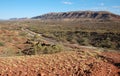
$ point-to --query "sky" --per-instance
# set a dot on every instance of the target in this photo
(31, 8)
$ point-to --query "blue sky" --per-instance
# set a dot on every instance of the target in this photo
(30, 8)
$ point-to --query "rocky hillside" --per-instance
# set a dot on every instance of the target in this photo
(79, 15)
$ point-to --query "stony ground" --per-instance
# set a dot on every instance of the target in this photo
(69, 63)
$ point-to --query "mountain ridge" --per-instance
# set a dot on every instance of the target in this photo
(79, 15)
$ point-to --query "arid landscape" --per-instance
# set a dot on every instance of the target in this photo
(77, 43)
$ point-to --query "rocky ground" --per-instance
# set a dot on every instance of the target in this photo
(70, 63)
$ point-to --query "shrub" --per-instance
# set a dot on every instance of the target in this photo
(39, 48)
(2, 43)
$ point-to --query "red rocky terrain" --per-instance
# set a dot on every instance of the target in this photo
(83, 62)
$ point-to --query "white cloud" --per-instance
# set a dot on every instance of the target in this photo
(100, 8)
(116, 7)
(68, 3)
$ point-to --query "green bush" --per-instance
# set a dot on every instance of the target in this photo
(2, 43)
(38, 48)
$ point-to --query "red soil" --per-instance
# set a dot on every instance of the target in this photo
(71, 63)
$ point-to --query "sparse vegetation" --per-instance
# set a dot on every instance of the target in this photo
(100, 35)
(38, 47)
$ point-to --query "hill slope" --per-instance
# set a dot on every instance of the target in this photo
(81, 63)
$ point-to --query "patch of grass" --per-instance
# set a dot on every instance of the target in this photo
(8, 52)
(23, 34)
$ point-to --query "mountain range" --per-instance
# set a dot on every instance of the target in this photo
(79, 15)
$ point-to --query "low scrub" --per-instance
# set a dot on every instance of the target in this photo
(38, 47)
(2, 43)
(95, 38)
